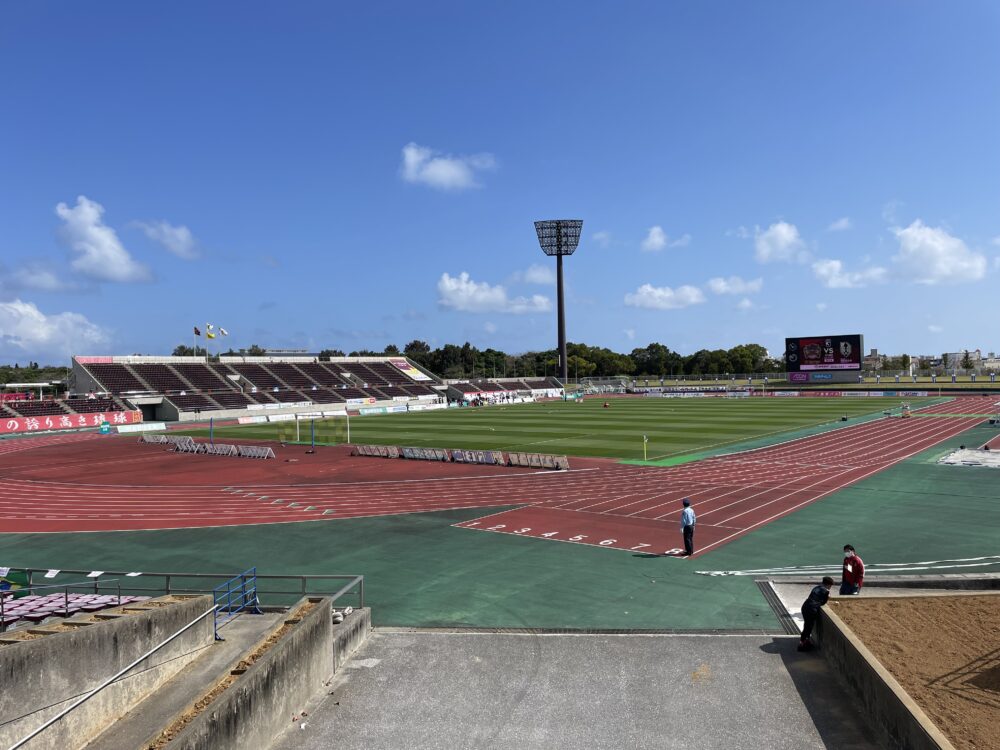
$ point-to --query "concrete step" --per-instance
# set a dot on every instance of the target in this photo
(139, 725)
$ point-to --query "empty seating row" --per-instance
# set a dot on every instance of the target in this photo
(259, 376)
(92, 405)
(116, 378)
(34, 609)
(161, 378)
(36, 408)
(204, 378)
(191, 401)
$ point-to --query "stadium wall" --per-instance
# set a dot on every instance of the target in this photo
(43, 676)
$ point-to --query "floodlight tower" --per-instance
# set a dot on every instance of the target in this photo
(560, 237)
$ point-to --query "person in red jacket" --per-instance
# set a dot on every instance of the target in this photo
(853, 574)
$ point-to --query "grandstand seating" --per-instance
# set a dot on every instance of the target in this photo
(34, 609)
(290, 375)
(115, 378)
(353, 393)
(323, 374)
(231, 400)
(36, 408)
(191, 401)
(466, 387)
(419, 390)
(259, 376)
(93, 405)
(489, 386)
(360, 371)
(204, 378)
(260, 397)
(325, 395)
(388, 373)
(161, 378)
(288, 397)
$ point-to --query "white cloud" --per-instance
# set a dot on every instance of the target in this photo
(664, 298)
(27, 331)
(657, 239)
(629, 334)
(779, 242)
(934, 328)
(101, 253)
(745, 304)
(821, 306)
(930, 255)
(603, 239)
(538, 274)
(37, 278)
(742, 232)
(178, 240)
(423, 165)
(840, 225)
(735, 285)
(833, 275)
(890, 209)
(489, 327)
(996, 240)
(463, 294)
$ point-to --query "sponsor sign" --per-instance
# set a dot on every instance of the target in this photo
(819, 376)
(824, 394)
(784, 394)
(858, 394)
(913, 394)
(426, 407)
(143, 427)
(365, 410)
(336, 413)
(281, 418)
(407, 369)
(396, 408)
(361, 401)
(252, 420)
(95, 360)
(18, 425)
(798, 377)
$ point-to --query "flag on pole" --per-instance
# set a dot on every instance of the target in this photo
(223, 331)
(210, 335)
(209, 326)
(196, 331)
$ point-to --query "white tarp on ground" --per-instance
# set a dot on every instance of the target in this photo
(970, 457)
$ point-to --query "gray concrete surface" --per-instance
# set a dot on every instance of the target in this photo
(38, 678)
(151, 716)
(465, 690)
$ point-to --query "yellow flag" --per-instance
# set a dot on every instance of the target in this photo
(210, 335)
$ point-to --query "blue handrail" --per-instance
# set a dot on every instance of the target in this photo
(236, 595)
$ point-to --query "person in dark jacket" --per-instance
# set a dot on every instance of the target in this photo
(819, 596)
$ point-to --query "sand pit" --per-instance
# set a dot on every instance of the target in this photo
(944, 651)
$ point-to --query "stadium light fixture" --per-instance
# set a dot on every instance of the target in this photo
(560, 237)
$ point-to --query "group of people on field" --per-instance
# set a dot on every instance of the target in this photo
(851, 579)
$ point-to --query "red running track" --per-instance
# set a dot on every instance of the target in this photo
(99, 483)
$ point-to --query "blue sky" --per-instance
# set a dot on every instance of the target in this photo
(351, 175)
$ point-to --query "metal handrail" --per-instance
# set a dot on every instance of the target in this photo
(246, 598)
(302, 589)
(99, 688)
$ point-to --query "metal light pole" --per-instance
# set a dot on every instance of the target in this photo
(560, 237)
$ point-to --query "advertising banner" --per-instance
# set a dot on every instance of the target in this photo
(798, 377)
(17, 425)
(142, 427)
(407, 369)
(252, 420)
(785, 394)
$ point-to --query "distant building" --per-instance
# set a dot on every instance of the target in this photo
(872, 360)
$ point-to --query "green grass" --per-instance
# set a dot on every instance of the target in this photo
(675, 427)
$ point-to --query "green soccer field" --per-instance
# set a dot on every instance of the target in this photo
(675, 427)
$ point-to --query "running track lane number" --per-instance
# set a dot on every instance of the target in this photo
(560, 536)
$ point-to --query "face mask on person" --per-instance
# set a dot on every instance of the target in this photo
(848, 554)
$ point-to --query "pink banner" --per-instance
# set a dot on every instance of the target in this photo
(11, 425)
(95, 360)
